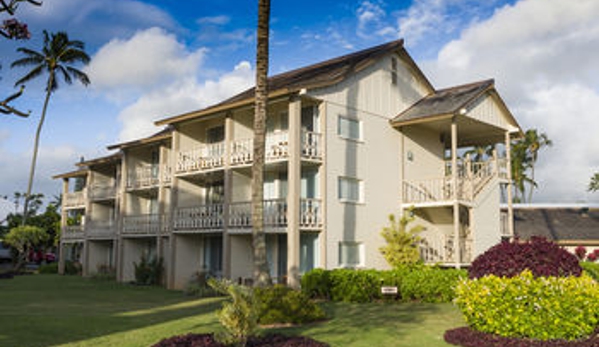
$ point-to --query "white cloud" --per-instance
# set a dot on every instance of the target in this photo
(150, 58)
(214, 20)
(371, 19)
(543, 56)
(184, 95)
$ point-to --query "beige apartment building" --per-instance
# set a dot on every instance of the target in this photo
(349, 141)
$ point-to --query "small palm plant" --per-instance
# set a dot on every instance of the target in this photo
(402, 242)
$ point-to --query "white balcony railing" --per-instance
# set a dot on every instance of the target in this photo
(72, 232)
(102, 192)
(311, 145)
(205, 157)
(75, 199)
(203, 217)
(146, 176)
(100, 229)
(275, 214)
(439, 249)
(145, 224)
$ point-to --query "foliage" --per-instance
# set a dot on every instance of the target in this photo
(72, 268)
(591, 269)
(23, 239)
(239, 316)
(540, 256)
(525, 153)
(580, 252)
(414, 283)
(402, 243)
(49, 220)
(104, 273)
(594, 183)
(281, 304)
(469, 337)
(208, 340)
(148, 271)
(198, 286)
(541, 308)
(51, 268)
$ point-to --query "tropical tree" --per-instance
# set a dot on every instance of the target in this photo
(56, 59)
(480, 153)
(23, 239)
(594, 184)
(402, 242)
(261, 273)
(535, 142)
(525, 153)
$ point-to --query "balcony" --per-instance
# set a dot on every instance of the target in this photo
(102, 192)
(204, 217)
(275, 214)
(148, 176)
(75, 200)
(72, 232)
(472, 178)
(204, 158)
(439, 249)
(149, 224)
(100, 229)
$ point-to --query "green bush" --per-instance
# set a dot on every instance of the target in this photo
(527, 307)
(198, 286)
(104, 273)
(414, 283)
(148, 271)
(51, 268)
(280, 304)
(72, 268)
(591, 269)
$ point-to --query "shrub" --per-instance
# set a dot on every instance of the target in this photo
(580, 252)
(541, 257)
(104, 273)
(591, 269)
(239, 315)
(402, 243)
(51, 268)
(148, 272)
(271, 340)
(198, 286)
(468, 337)
(533, 307)
(72, 268)
(280, 304)
(414, 283)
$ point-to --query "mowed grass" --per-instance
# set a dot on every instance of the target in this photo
(51, 310)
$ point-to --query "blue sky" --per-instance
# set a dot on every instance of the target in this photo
(153, 59)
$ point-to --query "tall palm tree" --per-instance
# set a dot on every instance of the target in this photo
(56, 58)
(535, 142)
(261, 273)
(594, 184)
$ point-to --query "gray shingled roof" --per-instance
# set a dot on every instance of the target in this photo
(558, 224)
(322, 74)
(444, 102)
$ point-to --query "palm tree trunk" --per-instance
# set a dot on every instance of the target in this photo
(36, 148)
(261, 272)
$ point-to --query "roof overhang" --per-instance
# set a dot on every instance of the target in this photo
(71, 174)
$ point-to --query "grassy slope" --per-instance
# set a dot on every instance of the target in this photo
(50, 310)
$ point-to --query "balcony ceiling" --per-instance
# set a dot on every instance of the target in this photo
(470, 131)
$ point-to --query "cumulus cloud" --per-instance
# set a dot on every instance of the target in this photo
(372, 20)
(214, 20)
(149, 58)
(543, 56)
(182, 96)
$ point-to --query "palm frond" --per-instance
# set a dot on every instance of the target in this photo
(35, 72)
(79, 75)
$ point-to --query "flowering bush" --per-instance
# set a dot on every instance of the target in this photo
(580, 252)
(526, 306)
(541, 257)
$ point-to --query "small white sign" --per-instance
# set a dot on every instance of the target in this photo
(388, 290)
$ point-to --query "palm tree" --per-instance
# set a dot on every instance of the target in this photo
(535, 142)
(594, 184)
(56, 58)
(261, 273)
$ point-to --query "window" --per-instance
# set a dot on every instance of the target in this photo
(350, 189)
(349, 128)
(351, 254)
(394, 71)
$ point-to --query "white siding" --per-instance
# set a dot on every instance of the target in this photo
(485, 222)
(487, 110)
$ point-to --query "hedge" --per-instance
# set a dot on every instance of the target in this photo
(414, 283)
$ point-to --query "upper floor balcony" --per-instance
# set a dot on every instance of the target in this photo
(209, 157)
(100, 229)
(472, 177)
(147, 224)
(211, 217)
(148, 176)
(72, 232)
(99, 192)
(75, 200)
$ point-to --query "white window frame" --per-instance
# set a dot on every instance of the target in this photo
(361, 254)
(360, 183)
(360, 137)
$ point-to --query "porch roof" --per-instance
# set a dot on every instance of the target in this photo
(70, 174)
(112, 158)
(561, 224)
(443, 103)
(163, 134)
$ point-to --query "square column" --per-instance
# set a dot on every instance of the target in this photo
(294, 177)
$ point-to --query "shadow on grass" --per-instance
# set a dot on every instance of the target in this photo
(46, 310)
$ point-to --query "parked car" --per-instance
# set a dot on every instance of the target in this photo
(5, 252)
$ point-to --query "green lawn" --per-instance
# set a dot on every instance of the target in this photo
(50, 310)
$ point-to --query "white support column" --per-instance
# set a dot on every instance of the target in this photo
(171, 263)
(294, 177)
(510, 207)
(456, 204)
(322, 174)
(63, 224)
(228, 186)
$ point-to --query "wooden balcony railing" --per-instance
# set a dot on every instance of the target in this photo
(439, 249)
(72, 232)
(205, 157)
(145, 224)
(100, 229)
(75, 199)
(312, 145)
(275, 214)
